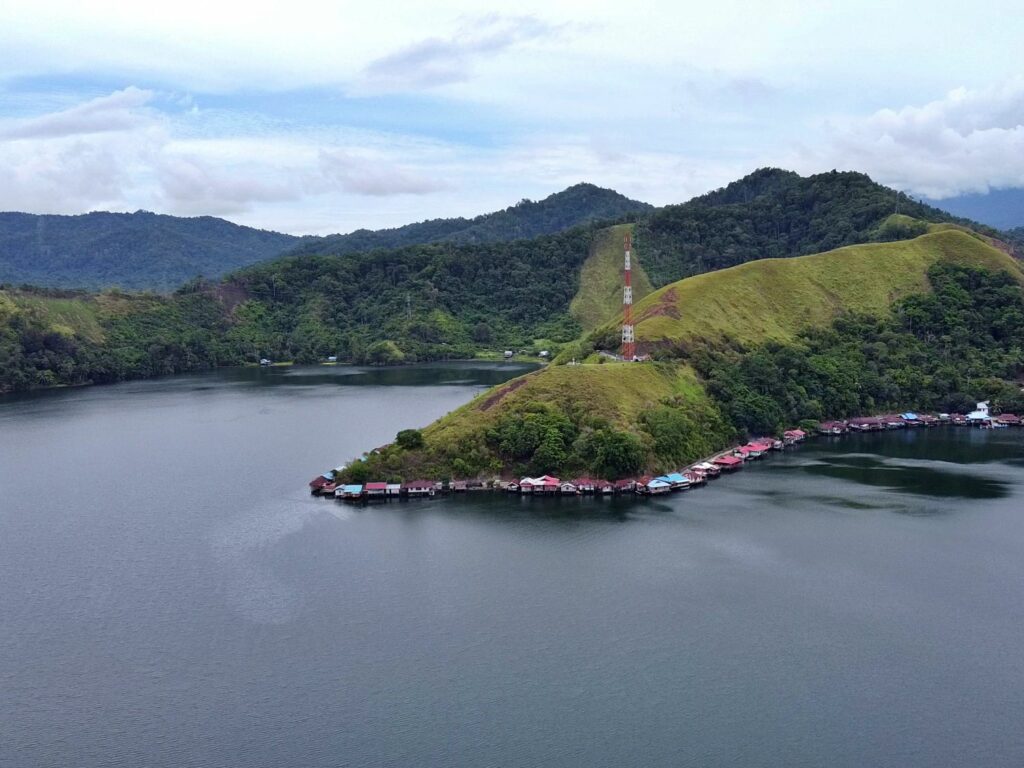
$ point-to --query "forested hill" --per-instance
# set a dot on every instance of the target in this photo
(577, 205)
(773, 213)
(138, 250)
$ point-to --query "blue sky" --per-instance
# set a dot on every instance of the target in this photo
(312, 117)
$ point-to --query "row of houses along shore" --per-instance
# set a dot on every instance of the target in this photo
(692, 476)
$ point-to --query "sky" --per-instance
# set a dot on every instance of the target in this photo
(318, 117)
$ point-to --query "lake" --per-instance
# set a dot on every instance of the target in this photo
(171, 595)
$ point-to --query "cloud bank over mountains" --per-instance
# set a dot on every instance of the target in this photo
(970, 140)
(320, 117)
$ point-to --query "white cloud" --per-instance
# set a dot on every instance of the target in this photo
(119, 111)
(437, 61)
(373, 176)
(971, 140)
(115, 153)
(327, 115)
(190, 186)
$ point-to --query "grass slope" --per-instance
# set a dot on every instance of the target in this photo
(617, 393)
(599, 298)
(776, 298)
(76, 317)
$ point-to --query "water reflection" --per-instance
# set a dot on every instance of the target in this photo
(919, 480)
(454, 373)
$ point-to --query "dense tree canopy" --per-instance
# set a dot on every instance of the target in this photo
(939, 351)
(138, 250)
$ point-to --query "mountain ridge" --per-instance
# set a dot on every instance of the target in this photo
(577, 205)
(140, 250)
(999, 208)
(150, 251)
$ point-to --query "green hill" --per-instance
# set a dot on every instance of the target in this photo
(777, 298)
(445, 300)
(610, 420)
(926, 323)
(53, 338)
(147, 251)
(771, 213)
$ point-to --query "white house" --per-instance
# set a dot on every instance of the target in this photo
(980, 413)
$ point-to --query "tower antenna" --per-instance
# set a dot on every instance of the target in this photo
(628, 339)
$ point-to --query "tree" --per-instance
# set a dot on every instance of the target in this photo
(611, 453)
(409, 439)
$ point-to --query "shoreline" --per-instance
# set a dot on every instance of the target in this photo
(693, 474)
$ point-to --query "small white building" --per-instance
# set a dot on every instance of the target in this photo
(980, 413)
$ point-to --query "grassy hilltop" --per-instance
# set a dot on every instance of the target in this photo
(777, 298)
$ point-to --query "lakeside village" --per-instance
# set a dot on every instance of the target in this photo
(692, 476)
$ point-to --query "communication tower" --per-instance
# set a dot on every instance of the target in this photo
(628, 339)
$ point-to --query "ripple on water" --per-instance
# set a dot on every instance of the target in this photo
(251, 589)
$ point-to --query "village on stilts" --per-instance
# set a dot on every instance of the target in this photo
(692, 476)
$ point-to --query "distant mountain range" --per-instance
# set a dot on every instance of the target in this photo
(138, 250)
(579, 204)
(145, 250)
(1000, 208)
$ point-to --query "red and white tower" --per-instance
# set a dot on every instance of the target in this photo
(628, 339)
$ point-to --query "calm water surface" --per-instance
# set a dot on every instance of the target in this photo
(171, 596)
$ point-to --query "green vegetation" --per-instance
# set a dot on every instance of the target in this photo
(608, 420)
(943, 350)
(769, 214)
(61, 338)
(599, 298)
(146, 251)
(1015, 239)
(463, 298)
(931, 323)
(431, 301)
